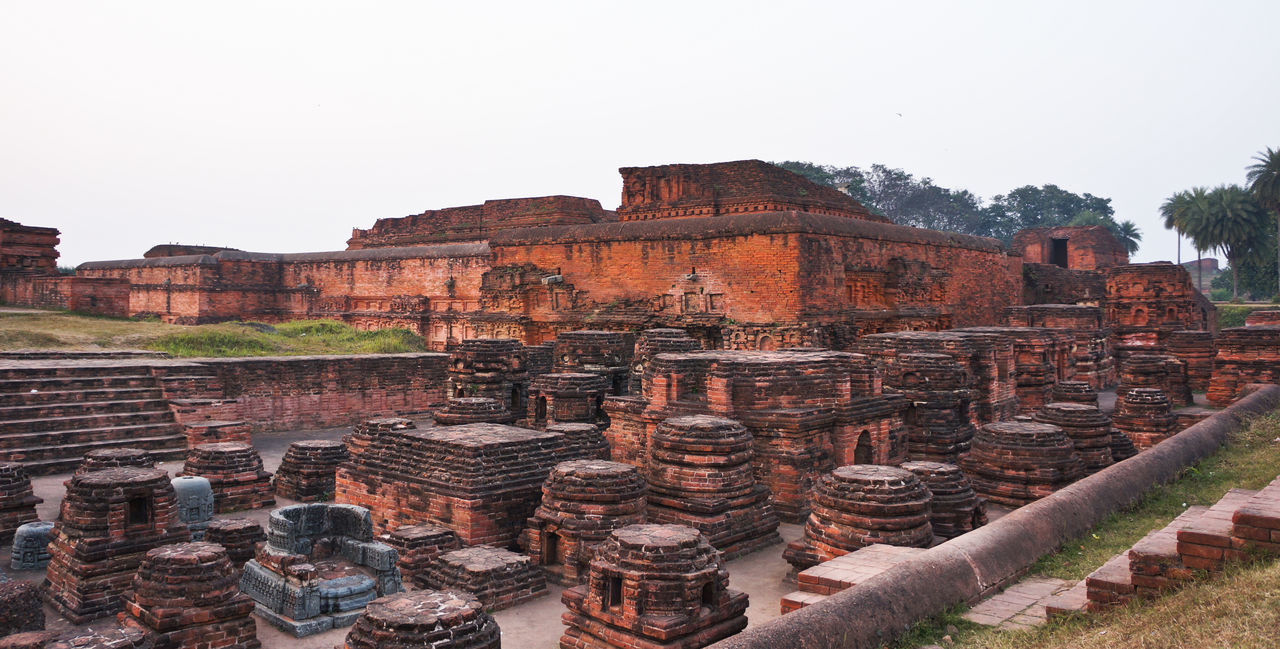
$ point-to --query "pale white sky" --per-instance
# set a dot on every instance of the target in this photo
(279, 126)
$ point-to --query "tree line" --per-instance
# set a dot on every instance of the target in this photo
(1240, 222)
(908, 200)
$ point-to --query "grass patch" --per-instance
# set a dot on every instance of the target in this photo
(1233, 315)
(1238, 609)
(65, 330)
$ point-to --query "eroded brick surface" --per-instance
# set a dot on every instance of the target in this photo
(188, 595)
(1015, 463)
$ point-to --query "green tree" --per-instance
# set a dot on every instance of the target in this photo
(1264, 182)
(1229, 219)
(1258, 276)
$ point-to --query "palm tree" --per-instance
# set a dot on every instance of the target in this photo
(1174, 210)
(1193, 217)
(1264, 182)
(1128, 234)
(1233, 223)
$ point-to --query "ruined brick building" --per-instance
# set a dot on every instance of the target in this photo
(743, 254)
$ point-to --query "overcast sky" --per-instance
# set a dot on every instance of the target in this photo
(280, 126)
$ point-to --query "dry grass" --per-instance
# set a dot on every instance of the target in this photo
(61, 330)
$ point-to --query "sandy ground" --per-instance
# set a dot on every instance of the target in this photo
(533, 625)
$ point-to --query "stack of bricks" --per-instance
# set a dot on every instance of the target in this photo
(651, 343)
(1092, 359)
(700, 475)
(234, 470)
(566, 397)
(939, 424)
(187, 595)
(1040, 358)
(473, 410)
(490, 367)
(498, 578)
(17, 500)
(582, 502)
(1160, 371)
(653, 586)
(954, 507)
(240, 537)
(1145, 416)
(988, 358)
(308, 470)
(424, 618)
(210, 431)
(540, 358)
(483, 481)
(20, 608)
(1014, 463)
(1245, 355)
(111, 638)
(1153, 565)
(582, 440)
(417, 547)
(1089, 429)
(110, 458)
(604, 353)
(110, 519)
(1196, 349)
(1262, 318)
(860, 505)
(1075, 392)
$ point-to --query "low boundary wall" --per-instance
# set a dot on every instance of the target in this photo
(965, 568)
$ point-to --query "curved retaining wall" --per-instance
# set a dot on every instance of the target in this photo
(964, 568)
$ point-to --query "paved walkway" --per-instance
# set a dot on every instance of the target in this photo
(1020, 606)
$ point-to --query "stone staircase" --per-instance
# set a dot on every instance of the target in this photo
(1201, 539)
(845, 571)
(52, 413)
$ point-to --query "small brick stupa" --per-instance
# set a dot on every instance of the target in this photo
(307, 471)
(939, 421)
(498, 578)
(860, 505)
(653, 586)
(240, 536)
(234, 470)
(187, 595)
(418, 546)
(1196, 349)
(651, 343)
(1145, 416)
(424, 619)
(473, 410)
(110, 519)
(110, 458)
(1075, 392)
(1089, 429)
(1014, 463)
(954, 507)
(17, 501)
(583, 440)
(700, 475)
(582, 502)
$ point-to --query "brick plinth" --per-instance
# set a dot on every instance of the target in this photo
(605, 353)
(1258, 318)
(1092, 357)
(308, 470)
(187, 595)
(954, 507)
(651, 343)
(234, 470)
(1196, 350)
(110, 458)
(1075, 392)
(860, 505)
(1089, 429)
(110, 519)
(1145, 417)
(582, 502)
(473, 410)
(17, 501)
(938, 419)
(240, 537)
(481, 480)
(583, 440)
(1245, 355)
(425, 618)
(1040, 358)
(653, 586)
(1160, 371)
(498, 578)
(1015, 463)
(212, 431)
(700, 475)
(418, 546)
(987, 357)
